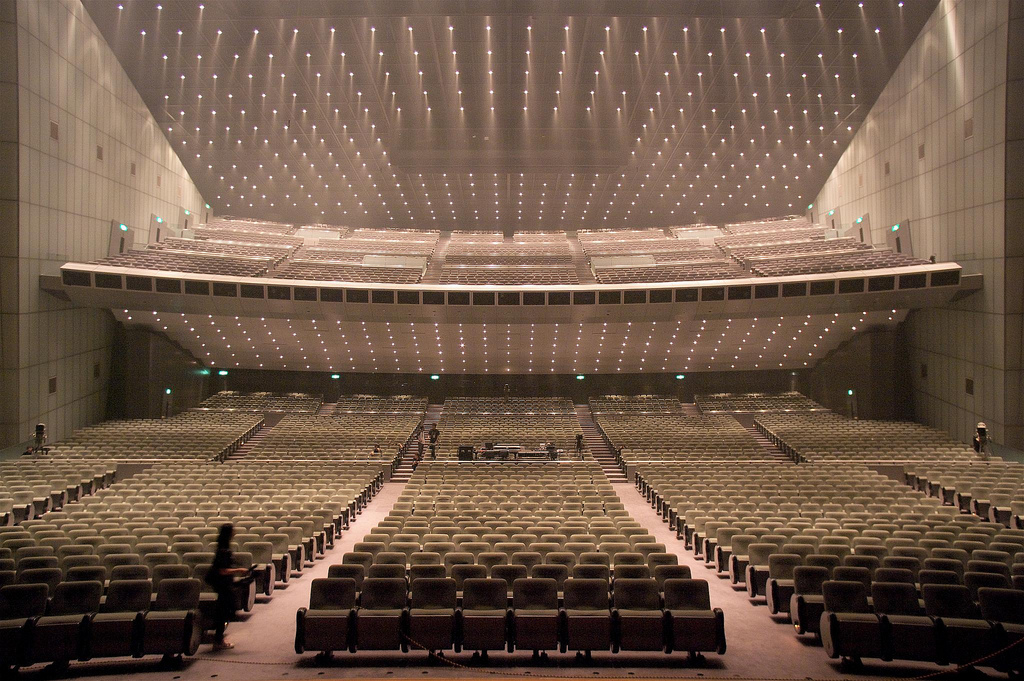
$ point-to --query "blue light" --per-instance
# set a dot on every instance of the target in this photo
(434, 377)
(580, 377)
(895, 228)
(859, 220)
(222, 372)
(167, 391)
(680, 377)
(850, 392)
(124, 227)
(335, 376)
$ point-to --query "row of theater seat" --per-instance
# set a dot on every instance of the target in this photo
(74, 622)
(948, 628)
(385, 616)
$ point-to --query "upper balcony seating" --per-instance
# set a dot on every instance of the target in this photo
(372, 404)
(337, 437)
(232, 400)
(635, 404)
(509, 275)
(665, 273)
(276, 254)
(316, 270)
(755, 402)
(225, 234)
(831, 437)
(189, 435)
(832, 262)
(191, 262)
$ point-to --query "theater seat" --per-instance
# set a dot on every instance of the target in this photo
(638, 617)
(326, 625)
(117, 627)
(59, 636)
(433, 617)
(849, 628)
(693, 625)
(172, 626)
(964, 635)
(908, 633)
(588, 618)
(1005, 608)
(484, 614)
(807, 603)
(380, 617)
(535, 615)
(20, 606)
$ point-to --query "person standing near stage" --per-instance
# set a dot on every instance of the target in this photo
(434, 434)
(579, 445)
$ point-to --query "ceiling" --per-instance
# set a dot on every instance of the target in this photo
(720, 344)
(508, 115)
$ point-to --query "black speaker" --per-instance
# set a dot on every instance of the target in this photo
(465, 452)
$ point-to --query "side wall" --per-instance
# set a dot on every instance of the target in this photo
(933, 151)
(68, 194)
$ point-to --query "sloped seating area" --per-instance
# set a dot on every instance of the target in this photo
(529, 422)
(487, 258)
(32, 486)
(539, 557)
(992, 489)
(152, 536)
(373, 404)
(667, 272)
(337, 437)
(192, 262)
(229, 234)
(635, 404)
(262, 402)
(189, 435)
(324, 270)
(753, 403)
(832, 437)
(275, 253)
(641, 434)
(845, 261)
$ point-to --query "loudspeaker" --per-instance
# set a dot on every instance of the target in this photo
(465, 452)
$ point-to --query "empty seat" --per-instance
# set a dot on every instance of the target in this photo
(908, 633)
(535, 615)
(172, 626)
(694, 626)
(432, 616)
(59, 635)
(807, 603)
(484, 614)
(380, 617)
(1006, 608)
(326, 625)
(20, 606)
(116, 627)
(849, 627)
(588, 618)
(638, 616)
(964, 635)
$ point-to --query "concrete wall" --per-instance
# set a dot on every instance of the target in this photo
(66, 197)
(934, 151)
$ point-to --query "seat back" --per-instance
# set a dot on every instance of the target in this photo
(843, 596)
(636, 594)
(332, 593)
(128, 595)
(1002, 605)
(781, 565)
(687, 594)
(426, 572)
(509, 573)
(591, 572)
(581, 593)
(461, 573)
(949, 600)
(807, 579)
(386, 571)
(383, 593)
(484, 594)
(895, 598)
(177, 594)
(19, 601)
(537, 593)
(434, 593)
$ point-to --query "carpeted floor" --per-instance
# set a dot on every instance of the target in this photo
(758, 647)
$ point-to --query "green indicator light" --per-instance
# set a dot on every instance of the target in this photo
(222, 372)
(434, 377)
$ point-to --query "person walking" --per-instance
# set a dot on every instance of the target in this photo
(221, 578)
(434, 434)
